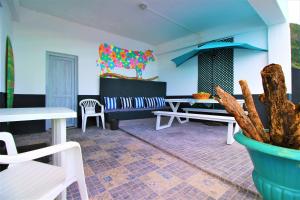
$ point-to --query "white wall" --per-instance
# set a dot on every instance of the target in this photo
(37, 33)
(182, 80)
(5, 30)
(247, 63)
(279, 45)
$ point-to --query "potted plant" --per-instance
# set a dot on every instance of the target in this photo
(275, 152)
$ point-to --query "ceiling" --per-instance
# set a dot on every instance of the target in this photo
(162, 21)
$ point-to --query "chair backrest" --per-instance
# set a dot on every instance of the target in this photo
(10, 145)
(89, 105)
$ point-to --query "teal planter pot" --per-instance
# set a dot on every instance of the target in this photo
(276, 173)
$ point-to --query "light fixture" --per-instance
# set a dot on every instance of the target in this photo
(143, 6)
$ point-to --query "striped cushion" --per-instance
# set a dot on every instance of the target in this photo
(126, 102)
(139, 102)
(150, 102)
(110, 103)
(160, 101)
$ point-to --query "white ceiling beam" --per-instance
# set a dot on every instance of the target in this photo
(271, 11)
(14, 7)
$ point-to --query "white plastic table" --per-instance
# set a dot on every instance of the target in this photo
(56, 114)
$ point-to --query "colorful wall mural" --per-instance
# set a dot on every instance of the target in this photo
(111, 57)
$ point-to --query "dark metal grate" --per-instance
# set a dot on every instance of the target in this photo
(216, 68)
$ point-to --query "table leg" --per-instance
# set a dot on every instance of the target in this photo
(175, 109)
(230, 133)
(59, 135)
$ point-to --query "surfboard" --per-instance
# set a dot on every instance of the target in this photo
(10, 74)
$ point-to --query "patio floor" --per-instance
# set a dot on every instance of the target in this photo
(200, 145)
(120, 166)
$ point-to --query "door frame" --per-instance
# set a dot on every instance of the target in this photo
(75, 58)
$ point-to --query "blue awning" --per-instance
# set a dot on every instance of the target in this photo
(210, 46)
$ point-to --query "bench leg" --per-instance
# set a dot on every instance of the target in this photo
(158, 120)
(182, 121)
(236, 128)
(230, 133)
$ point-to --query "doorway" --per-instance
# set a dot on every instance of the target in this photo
(61, 83)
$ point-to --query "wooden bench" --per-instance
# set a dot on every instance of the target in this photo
(230, 120)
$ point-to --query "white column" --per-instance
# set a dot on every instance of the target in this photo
(279, 46)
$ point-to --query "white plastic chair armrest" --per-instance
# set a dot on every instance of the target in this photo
(10, 145)
(31, 155)
(102, 108)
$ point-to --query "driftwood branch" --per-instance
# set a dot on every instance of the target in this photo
(252, 112)
(280, 109)
(234, 108)
(284, 116)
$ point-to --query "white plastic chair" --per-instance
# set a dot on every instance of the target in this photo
(27, 179)
(88, 109)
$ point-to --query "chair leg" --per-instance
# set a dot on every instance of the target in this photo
(82, 188)
(97, 120)
(103, 121)
(84, 124)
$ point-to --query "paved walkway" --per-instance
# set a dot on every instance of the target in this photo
(119, 166)
(201, 145)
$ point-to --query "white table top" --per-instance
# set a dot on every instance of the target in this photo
(193, 101)
(25, 114)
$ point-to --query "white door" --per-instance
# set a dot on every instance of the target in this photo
(61, 83)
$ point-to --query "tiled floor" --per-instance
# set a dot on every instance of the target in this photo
(201, 145)
(119, 166)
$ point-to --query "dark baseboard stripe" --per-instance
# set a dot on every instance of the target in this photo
(24, 127)
(39, 100)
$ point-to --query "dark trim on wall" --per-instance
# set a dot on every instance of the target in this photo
(23, 101)
(2, 99)
(38, 100)
(295, 85)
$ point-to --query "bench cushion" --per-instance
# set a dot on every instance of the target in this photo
(160, 101)
(150, 102)
(139, 102)
(126, 102)
(134, 109)
(110, 103)
(134, 113)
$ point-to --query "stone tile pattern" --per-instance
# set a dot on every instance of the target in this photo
(201, 145)
(118, 166)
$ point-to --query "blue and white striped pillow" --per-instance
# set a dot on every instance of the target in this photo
(160, 101)
(110, 103)
(126, 102)
(150, 102)
(139, 102)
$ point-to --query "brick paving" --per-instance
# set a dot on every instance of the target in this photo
(118, 166)
(201, 145)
